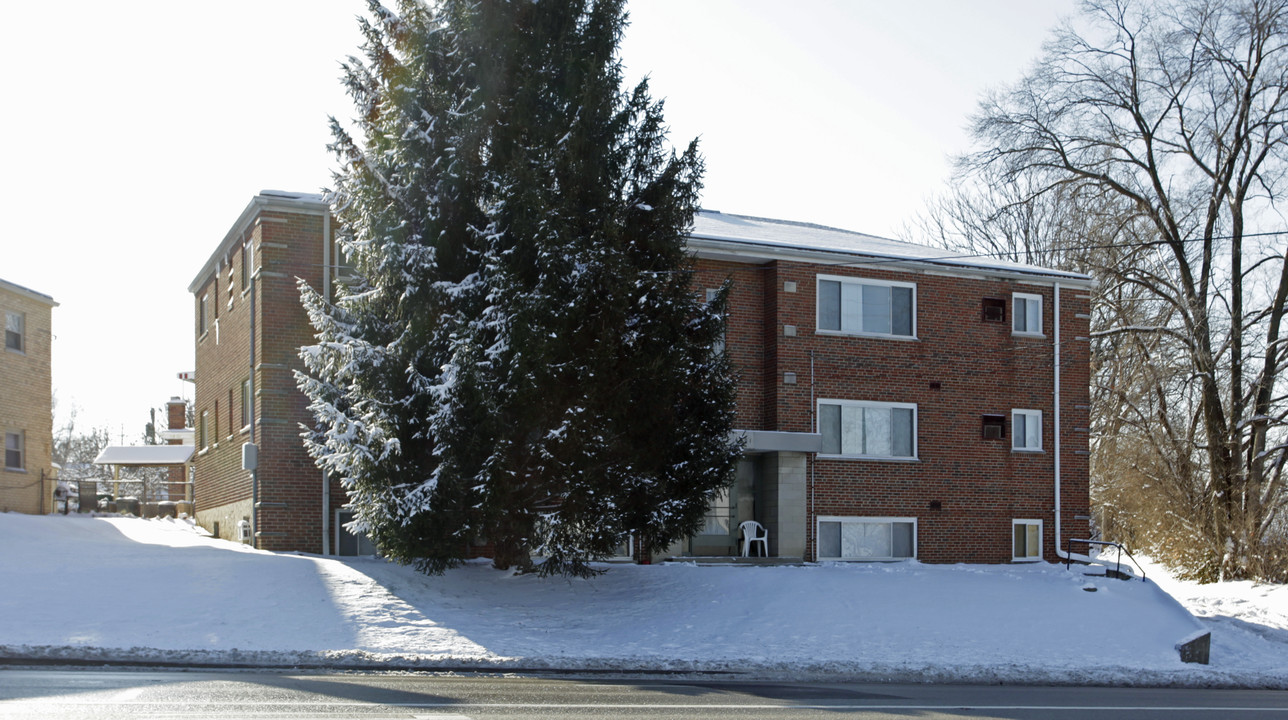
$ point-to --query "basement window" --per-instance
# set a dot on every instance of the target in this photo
(867, 538)
(1026, 540)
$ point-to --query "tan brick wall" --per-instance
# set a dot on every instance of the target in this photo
(26, 405)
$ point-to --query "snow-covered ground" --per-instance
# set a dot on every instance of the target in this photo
(127, 589)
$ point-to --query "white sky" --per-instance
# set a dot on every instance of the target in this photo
(138, 130)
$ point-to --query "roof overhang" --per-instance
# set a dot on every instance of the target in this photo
(266, 200)
(765, 441)
(28, 293)
(757, 252)
(144, 455)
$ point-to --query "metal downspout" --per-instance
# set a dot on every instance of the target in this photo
(1056, 425)
(254, 386)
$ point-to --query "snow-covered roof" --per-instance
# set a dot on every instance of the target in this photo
(27, 292)
(716, 234)
(145, 455)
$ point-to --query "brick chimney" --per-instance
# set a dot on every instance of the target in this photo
(177, 414)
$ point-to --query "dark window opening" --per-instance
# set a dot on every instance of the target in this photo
(994, 310)
(994, 427)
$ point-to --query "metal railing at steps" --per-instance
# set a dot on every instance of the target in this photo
(1118, 563)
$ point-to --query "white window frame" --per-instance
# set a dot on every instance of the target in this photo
(21, 449)
(1020, 312)
(891, 521)
(1030, 555)
(852, 281)
(20, 320)
(248, 403)
(1019, 440)
(203, 315)
(877, 405)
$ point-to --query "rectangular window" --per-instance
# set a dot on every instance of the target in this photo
(13, 332)
(868, 429)
(203, 436)
(718, 347)
(994, 427)
(1026, 540)
(866, 307)
(203, 320)
(993, 310)
(216, 435)
(13, 451)
(247, 398)
(719, 517)
(1028, 314)
(860, 538)
(1026, 430)
(232, 282)
(245, 267)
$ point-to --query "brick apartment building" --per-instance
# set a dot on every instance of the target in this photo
(27, 477)
(896, 400)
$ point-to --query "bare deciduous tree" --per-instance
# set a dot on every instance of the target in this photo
(1160, 129)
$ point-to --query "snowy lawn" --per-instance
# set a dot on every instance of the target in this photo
(120, 588)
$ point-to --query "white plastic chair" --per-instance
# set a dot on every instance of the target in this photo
(752, 533)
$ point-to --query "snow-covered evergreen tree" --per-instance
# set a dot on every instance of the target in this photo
(520, 356)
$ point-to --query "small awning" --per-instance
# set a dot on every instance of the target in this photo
(145, 455)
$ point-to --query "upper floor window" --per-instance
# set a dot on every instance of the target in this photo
(853, 428)
(203, 318)
(1027, 315)
(1026, 430)
(247, 398)
(13, 331)
(13, 451)
(866, 307)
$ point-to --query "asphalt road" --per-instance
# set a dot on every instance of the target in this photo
(80, 693)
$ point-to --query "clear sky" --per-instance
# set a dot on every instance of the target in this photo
(138, 130)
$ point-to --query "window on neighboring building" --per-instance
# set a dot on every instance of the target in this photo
(13, 451)
(868, 429)
(247, 398)
(1026, 540)
(203, 316)
(245, 267)
(866, 307)
(13, 332)
(993, 310)
(1027, 315)
(994, 427)
(864, 538)
(1026, 429)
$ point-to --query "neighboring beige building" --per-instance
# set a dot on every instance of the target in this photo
(26, 401)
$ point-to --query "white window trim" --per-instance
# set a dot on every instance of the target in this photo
(873, 404)
(1015, 314)
(22, 451)
(818, 532)
(1017, 437)
(818, 307)
(22, 332)
(203, 315)
(1011, 540)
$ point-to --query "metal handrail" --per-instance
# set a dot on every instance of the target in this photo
(1118, 563)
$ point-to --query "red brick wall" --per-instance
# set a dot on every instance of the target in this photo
(284, 246)
(980, 368)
